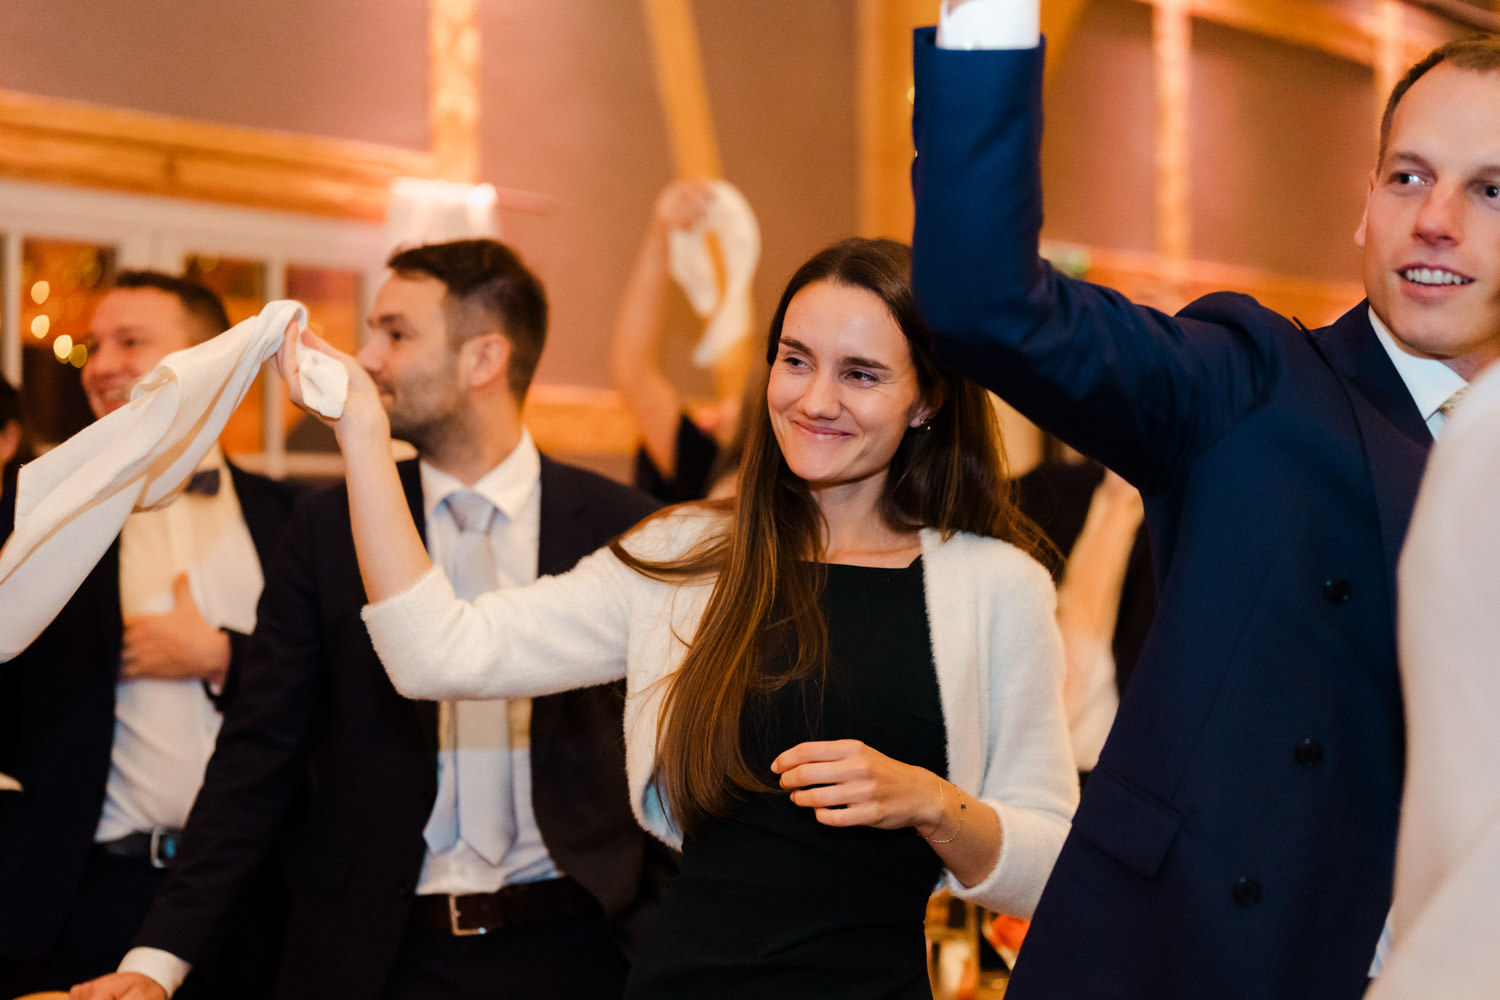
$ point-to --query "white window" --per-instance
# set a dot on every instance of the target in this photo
(60, 246)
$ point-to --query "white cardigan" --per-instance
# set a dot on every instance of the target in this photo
(995, 644)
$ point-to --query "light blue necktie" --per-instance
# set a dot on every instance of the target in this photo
(474, 755)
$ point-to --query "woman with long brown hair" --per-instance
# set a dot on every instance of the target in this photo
(843, 681)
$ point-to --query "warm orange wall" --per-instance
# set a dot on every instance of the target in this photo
(351, 71)
(1279, 135)
(570, 110)
(787, 111)
(1280, 142)
(1097, 144)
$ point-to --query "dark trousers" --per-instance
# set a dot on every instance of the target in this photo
(573, 959)
(113, 897)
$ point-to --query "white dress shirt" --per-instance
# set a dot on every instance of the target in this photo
(165, 729)
(990, 24)
(1429, 381)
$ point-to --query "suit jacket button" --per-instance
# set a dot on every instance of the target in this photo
(1308, 752)
(1336, 590)
(1246, 891)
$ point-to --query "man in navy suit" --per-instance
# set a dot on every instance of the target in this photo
(1237, 837)
(383, 905)
(108, 718)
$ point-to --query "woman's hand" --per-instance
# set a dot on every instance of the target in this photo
(682, 204)
(363, 411)
(846, 783)
(391, 554)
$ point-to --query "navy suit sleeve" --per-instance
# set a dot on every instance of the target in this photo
(258, 765)
(1139, 390)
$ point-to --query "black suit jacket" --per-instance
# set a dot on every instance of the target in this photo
(317, 719)
(1237, 838)
(57, 719)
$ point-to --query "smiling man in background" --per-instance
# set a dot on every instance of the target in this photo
(109, 717)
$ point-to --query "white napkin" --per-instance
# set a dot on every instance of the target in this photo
(422, 210)
(730, 218)
(72, 502)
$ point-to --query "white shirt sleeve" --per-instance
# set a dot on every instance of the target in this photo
(162, 966)
(990, 24)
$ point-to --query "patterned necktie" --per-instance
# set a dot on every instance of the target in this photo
(474, 756)
(1451, 403)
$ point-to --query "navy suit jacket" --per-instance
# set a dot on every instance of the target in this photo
(57, 723)
(321, 754)
(1237, 838)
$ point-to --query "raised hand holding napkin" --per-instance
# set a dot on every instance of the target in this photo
(71, 502)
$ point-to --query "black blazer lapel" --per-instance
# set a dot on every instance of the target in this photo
(561, 542)
(1394, 436)
(410, 474)
(557, 549)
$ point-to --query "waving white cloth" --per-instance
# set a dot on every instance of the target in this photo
(730, 218)
(72, 502)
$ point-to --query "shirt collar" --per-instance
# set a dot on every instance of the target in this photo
(1429, 381)
(507, 485)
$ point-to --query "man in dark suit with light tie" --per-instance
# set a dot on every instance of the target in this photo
(109, 717)
(1237, 837)
(398, 891)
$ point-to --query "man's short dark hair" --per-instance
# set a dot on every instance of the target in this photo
(1480, 53)
(203, 305)
(488, 288)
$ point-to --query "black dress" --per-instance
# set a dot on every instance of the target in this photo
(772, 904)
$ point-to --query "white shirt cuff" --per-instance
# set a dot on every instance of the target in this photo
(162, 966)
(990, 24)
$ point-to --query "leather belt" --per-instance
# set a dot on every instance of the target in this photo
(510, 906)
(158, 846)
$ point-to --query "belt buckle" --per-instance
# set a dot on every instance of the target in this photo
(163, 847)
(455, 921)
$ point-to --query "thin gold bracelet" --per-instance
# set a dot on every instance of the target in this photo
(962, 809)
